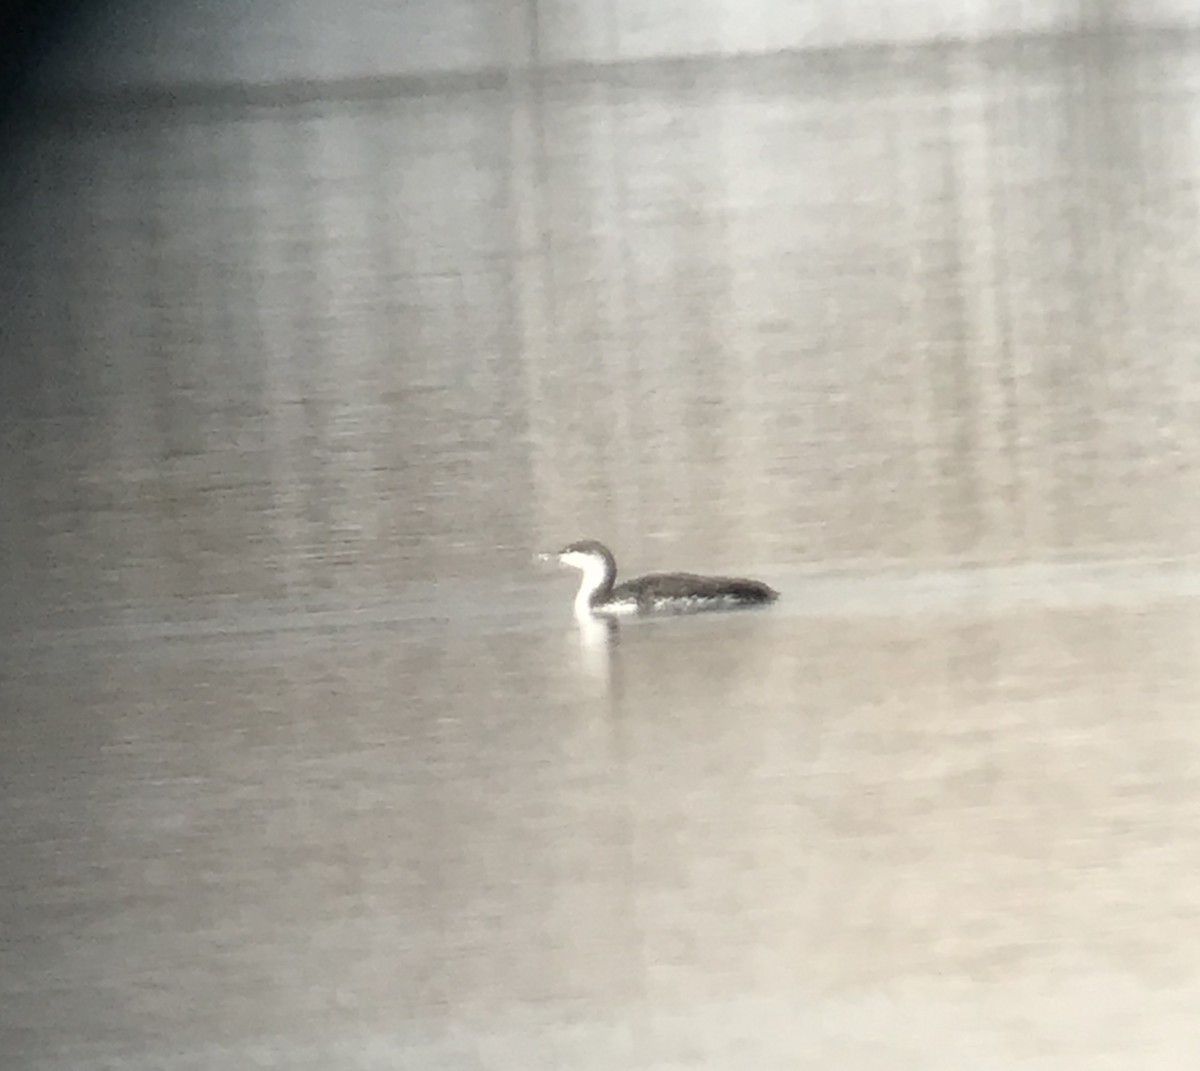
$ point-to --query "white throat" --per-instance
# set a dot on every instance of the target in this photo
(595, 573)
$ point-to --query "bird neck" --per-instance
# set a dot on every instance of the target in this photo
(596, 583)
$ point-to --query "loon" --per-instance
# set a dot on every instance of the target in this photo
(655, 593)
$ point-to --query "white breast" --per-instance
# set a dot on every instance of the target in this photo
(594, 572)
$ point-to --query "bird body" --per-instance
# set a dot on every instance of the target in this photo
(656, 592)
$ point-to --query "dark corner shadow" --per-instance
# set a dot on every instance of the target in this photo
(30, 32)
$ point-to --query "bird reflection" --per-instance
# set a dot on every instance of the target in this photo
(598, 639)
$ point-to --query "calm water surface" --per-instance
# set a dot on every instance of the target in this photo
(305, 763)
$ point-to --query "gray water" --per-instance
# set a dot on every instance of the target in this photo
(305, 762)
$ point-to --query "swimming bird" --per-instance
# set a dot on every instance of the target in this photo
(655, 593)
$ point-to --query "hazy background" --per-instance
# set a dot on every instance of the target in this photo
(320, 320)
